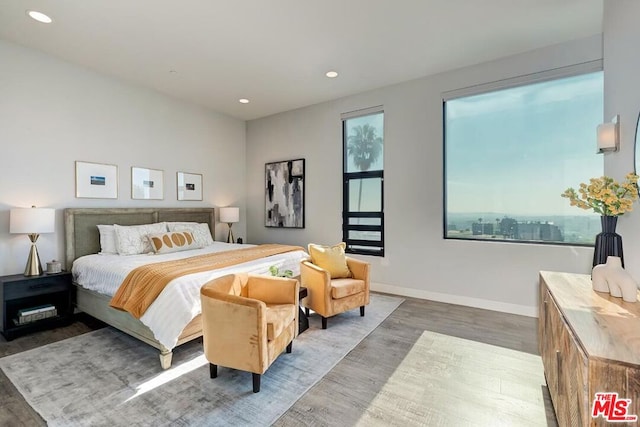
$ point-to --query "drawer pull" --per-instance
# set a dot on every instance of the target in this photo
(39, 286)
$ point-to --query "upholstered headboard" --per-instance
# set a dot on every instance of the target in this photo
(81, 233)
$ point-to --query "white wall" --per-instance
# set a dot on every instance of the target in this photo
(622, 96)
(53, 113)
(418, 261)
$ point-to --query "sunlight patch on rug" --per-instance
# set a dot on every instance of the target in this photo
(169, 375)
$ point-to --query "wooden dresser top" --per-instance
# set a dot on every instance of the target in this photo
(605, 326)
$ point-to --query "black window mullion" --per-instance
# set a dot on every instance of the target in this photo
(363, 175)
(365, 214)
(358, 227)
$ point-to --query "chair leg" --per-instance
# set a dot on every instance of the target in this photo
(324, 322)
(256, 383)
(290, 347)
(213, 370)
(362, 311)
(306, 311)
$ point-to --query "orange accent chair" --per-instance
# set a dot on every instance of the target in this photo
(328, 296)
(248, 321)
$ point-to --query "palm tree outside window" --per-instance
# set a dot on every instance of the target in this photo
(363, 195)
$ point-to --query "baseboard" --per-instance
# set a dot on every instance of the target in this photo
(504, 307)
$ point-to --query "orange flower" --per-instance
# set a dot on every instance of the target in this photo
(605, 196)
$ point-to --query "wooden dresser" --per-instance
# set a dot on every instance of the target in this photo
(589, 342)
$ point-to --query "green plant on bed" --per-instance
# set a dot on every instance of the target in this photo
(275, 271)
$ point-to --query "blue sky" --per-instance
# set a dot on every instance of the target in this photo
(516, 150)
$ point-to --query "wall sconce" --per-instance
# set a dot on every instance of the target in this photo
(32, 221)
(609, 136)
(230, 215)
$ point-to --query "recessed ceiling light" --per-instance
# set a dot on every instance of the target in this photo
(243, 101)
(332, 74)
(39, 16)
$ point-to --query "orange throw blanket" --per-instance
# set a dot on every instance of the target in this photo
(141, 287)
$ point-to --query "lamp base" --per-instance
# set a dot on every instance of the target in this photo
(34, 267)
(230, 236)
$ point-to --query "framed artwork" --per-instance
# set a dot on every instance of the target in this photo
(147, 184)
(189, 186)
(284, 194)
(96, 180)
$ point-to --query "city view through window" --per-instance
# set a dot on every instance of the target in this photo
(509, 154)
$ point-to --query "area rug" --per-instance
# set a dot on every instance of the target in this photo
(450, 381)
(107, 378)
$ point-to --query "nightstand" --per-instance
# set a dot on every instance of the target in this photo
(22, 294)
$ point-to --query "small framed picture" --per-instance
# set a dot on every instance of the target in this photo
(147, 184)
(96, 180)
(189, 186)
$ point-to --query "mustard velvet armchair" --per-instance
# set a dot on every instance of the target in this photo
(248, 321)
(327, 296)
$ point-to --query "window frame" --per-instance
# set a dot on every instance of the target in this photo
(378, 248)
(523, 80)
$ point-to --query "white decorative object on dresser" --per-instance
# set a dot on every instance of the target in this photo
(614, 279)
(589, 343)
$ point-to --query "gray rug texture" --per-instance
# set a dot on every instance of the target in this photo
(106, 378)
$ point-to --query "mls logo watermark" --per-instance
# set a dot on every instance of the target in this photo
(612, 408)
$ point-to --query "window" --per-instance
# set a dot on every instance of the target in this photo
(510, 153)
(363, 182)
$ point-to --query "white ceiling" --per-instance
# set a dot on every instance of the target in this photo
(275, 52)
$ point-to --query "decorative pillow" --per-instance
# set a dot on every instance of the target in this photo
(172, 241)
(107, 239)
(200, 232)
(132, 239)
(330, 258)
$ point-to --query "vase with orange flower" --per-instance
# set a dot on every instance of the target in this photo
(610, 199)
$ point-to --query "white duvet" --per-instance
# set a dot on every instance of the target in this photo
(179, 302)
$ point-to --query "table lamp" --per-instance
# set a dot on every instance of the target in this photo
(230, 215)
(32, 221)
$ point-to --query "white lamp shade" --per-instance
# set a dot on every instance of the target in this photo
(229, 215)
(32, 220)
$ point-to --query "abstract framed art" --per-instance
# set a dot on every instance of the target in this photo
(96, 180)
(284, 194)
(189, 186)
(147, 184)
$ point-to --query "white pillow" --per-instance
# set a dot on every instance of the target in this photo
(201, 232)
(132, 239)
(173, 224)
(107, 239)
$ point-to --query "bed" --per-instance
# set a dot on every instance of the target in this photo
(82, 243)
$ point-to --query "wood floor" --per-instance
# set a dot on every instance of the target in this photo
(344, 394)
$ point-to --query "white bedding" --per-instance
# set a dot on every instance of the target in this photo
(104, 273)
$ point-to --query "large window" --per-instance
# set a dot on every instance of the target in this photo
(363, 182)
(510, 153)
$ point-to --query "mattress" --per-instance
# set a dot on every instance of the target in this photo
(179, 302)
